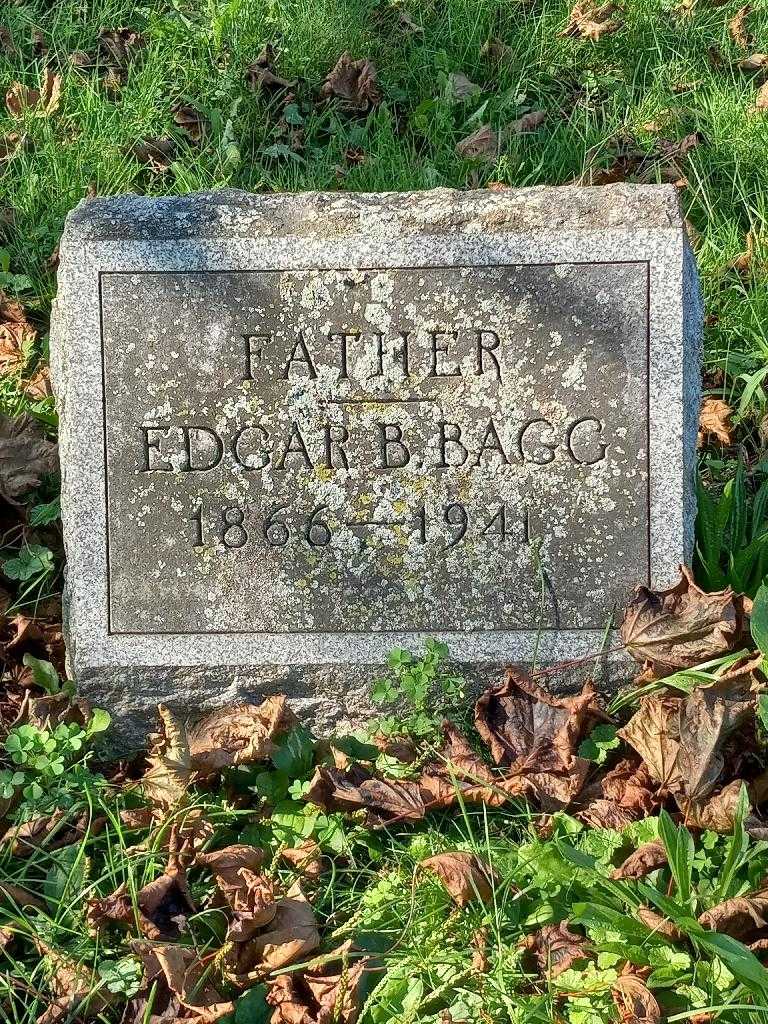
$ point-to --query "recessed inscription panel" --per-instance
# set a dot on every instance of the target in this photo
(375, 450)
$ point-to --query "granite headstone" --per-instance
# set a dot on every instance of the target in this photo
(300, 430)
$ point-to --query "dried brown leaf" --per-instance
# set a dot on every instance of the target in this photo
(176, 970)
(737, 27)
(169, 766)
(715, 416)
(755, 62)
(250, 895)
(162, 906)
(239, 734)
(761, 100)
(555, 948)
(73, 986)
(464, 875)
(354, 82)
(157, 153)
(119, 46)
(355, 788)
(15, 896)
(537, 735)
(527, 123)
(194, 124)
(660, 925)
(306, 858)
(654, 732)
(634, 1001)
(682, 626)
(481, 144)
(590, 21)
(26, 456)
(10, 145)
(741, 917)
(319, 997)
(43, 102)
(646, 858)
(50, 832)
(17, 335)
(707, 717)
(261, 75)
(290, 937)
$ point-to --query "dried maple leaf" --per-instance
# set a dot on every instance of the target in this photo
(738, 29)
(707, 717)
(119, 46)
(537, 735)
(741, 917)
(634, 1001)
(290, 937)
(175, 970)
(555, 948)
(240, 734)
(527, 123)
(250, 895)
(481, 144)
(682, 626)
(26, 456)
(169, 766)
(354, 82)
(319, 997)
(654, 732)
(646, 858)
(355, 788)
(588, 21)
(194, 124)
(715, 419)
(464, 876)
(43, 101)
(158, 154)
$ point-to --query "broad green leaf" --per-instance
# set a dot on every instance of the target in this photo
(759, 620)
(43, 673)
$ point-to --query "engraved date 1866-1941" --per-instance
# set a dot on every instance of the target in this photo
(234, 526)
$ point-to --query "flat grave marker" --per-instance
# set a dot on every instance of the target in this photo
(298, 431)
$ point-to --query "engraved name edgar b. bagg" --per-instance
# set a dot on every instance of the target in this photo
(428, 449)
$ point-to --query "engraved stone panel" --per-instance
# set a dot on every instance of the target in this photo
(362, 450)
(297, 431)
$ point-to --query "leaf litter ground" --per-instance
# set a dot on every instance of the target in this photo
(546, 858)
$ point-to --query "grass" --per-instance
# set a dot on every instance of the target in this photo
(662, 77)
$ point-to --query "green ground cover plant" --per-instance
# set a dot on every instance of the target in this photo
(539, 859)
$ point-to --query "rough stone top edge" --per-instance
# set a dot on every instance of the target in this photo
(230, 213)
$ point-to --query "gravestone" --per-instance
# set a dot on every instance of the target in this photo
(300, 430)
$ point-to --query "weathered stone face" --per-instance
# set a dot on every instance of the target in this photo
(297, 431)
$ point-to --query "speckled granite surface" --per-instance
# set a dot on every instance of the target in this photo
(299, 430)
